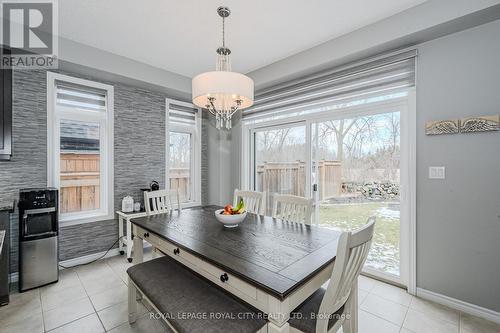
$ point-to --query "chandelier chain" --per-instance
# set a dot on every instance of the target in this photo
(223, 32)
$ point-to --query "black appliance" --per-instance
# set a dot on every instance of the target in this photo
(153, 186)
(38, 237)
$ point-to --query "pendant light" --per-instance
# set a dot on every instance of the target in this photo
(223, 92)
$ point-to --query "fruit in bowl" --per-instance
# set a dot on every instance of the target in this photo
(231, 216)
(230, 210)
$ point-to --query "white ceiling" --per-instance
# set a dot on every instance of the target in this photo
(181, 35)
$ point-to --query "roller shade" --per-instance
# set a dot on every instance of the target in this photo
(80, 97)
(363, 82)
(181, 113)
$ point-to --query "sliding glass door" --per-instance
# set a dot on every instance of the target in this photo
(356, 174)
(280, 161)
(354, 165)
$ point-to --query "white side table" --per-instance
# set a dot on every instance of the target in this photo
(128, 239)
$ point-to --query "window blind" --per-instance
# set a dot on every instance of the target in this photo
(181, 113)
(81, 97)
(360, 83)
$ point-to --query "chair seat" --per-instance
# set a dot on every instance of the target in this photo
(304, 316)
(190, 302)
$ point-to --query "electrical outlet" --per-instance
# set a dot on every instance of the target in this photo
(436, 172)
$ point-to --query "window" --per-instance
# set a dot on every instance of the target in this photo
(80, 147)
(345, 139)
(184, 151)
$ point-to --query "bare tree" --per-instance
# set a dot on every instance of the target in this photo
(274, 138)
(340, 128)
(355, 129)
(394, 126)
(358, 135)
(180, 150)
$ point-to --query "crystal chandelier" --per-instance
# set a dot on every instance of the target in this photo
(223, 92)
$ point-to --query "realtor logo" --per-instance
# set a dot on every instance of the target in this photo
(29, 34)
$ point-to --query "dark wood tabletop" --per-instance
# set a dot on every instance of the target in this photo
(273, 255)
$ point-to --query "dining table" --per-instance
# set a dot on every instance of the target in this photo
(271, 264)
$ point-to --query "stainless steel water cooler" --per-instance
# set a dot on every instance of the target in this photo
(38, 237)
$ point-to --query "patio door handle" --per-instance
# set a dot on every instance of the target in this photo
(315, 187)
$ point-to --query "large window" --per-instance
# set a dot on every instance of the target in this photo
(350, 164)
(344, 139)
(80, 147)
(184, 151)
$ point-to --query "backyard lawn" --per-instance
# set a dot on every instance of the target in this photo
(384, 254)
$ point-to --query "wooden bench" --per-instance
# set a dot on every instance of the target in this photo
(188, 302)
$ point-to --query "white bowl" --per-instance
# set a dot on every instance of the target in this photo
(229, 221)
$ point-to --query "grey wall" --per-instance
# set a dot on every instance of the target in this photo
(28, 167)
(139, 156)
(219, 159)
(100, 62)
(458, 219)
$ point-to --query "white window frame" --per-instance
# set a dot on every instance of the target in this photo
(195, 158)
(408, 167)
(106, 130)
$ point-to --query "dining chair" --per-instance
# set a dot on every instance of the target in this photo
(255, 202)
(328, 309)
(292, 208)
(161, 201)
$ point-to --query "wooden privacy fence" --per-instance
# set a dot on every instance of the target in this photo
(282, 177)
(80, 182)
(179, 179)
(330, 179)
(290, 178)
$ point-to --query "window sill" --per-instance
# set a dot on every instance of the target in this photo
(83, 219)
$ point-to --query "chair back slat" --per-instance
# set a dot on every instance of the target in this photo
(352, 251)
(255, 202)
(292, 208)
(161, 201)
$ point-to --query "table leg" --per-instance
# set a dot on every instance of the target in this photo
(120, 234)
(132, 302)
(129, 241)
(138, 250)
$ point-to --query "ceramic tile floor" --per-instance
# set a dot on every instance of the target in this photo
(93, 299)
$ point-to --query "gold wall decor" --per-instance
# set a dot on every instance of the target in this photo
(480, 124)
(442, 127)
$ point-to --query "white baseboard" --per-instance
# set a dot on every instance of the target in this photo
(456, 304)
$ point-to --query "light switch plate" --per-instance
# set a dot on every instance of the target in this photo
(436, 172)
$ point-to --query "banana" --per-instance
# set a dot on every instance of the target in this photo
(239, 208)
